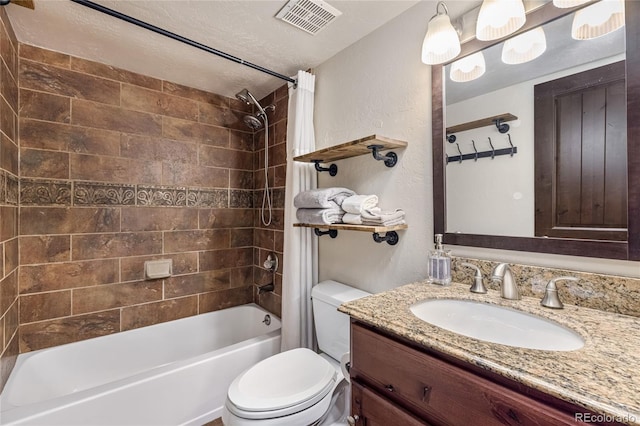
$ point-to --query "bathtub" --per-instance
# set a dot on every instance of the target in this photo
(175, 373)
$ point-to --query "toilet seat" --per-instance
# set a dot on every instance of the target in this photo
(283, 384)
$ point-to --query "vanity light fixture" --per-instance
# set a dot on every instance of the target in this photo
(564, 4)
(441, 43)
(598, 19)
(468, 68)
(524, 47)
(499, 18)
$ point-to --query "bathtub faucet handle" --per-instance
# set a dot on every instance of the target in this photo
(267, 319)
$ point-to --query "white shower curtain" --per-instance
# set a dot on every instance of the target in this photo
(300, 245)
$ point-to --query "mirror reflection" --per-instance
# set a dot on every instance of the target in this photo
(490, 175)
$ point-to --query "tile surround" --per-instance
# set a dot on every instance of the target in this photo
(120, 168)
(9, 195)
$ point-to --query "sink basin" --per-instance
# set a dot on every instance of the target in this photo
(497, 324)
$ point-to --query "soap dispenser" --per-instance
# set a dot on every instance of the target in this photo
(439, 264)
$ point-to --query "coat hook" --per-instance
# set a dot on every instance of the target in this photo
(493, 150)
(459, 152)
(475, 150)
(451, 138)
(501, 125)
(509, 136)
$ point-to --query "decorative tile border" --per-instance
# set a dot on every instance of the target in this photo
(44, 192)
(103, 194)
(3, 185)
(12, 189)
(214, 198)
(242, 198)
(161, 196)
(40, 192)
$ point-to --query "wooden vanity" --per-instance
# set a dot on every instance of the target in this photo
(405, 371)
(394, 383)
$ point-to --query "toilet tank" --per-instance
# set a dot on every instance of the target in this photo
(332, 327)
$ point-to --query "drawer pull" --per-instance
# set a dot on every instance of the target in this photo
(426, 394)
(389, 388)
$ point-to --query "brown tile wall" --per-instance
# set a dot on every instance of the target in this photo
(9, 184)
(117, 168)
(271, 238)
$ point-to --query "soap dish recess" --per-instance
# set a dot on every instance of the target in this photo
(154, 269)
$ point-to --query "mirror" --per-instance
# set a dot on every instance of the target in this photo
(474, 204)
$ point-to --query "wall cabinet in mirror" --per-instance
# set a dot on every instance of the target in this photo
(624, 244)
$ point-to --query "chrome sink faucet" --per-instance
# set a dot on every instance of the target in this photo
(508, 287)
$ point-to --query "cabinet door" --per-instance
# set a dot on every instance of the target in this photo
(374, 410)
(440, 392)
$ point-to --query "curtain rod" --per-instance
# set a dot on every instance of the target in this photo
(180, 38)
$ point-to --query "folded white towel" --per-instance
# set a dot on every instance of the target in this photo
(383, 218)
(357, 203)
(352, 219)
(321, 198)
(320, 216)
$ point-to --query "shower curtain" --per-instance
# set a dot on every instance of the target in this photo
(300, 245)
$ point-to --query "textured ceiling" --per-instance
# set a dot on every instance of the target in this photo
(242, 28)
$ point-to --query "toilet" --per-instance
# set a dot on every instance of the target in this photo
(299, 386)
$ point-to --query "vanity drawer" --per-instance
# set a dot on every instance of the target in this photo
(439, 392)
(370, 409)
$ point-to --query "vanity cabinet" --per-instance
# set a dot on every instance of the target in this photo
(394, 383)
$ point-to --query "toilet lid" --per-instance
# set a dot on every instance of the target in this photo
(283, 380)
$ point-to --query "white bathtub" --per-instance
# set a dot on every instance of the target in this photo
(175, 373)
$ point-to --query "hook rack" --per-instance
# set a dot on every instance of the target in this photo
(390, 159)
(390, 237)
(483, 154)
(332, 169)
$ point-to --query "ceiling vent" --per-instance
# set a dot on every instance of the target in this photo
(308, 15)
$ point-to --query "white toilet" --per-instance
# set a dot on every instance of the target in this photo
(299, 387)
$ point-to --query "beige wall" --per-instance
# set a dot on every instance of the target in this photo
(379, 85)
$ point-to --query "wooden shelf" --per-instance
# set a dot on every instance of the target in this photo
(390, 235)
(489, 121)
(349, 227)
(350, 149)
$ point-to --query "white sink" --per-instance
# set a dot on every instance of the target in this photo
(497, 324)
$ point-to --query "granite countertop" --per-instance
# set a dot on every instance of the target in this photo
(603, 376)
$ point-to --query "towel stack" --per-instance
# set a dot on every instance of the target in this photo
(321, 206)
(364, 210)
(341, 205)
(378, 217)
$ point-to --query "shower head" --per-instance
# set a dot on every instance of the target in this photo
(245, 96)
(252, 121)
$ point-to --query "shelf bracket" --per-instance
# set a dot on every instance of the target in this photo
(391, 237)
(390, 159)
(332, 169)
(331, 232)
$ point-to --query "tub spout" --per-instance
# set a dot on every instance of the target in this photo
(266, 288)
